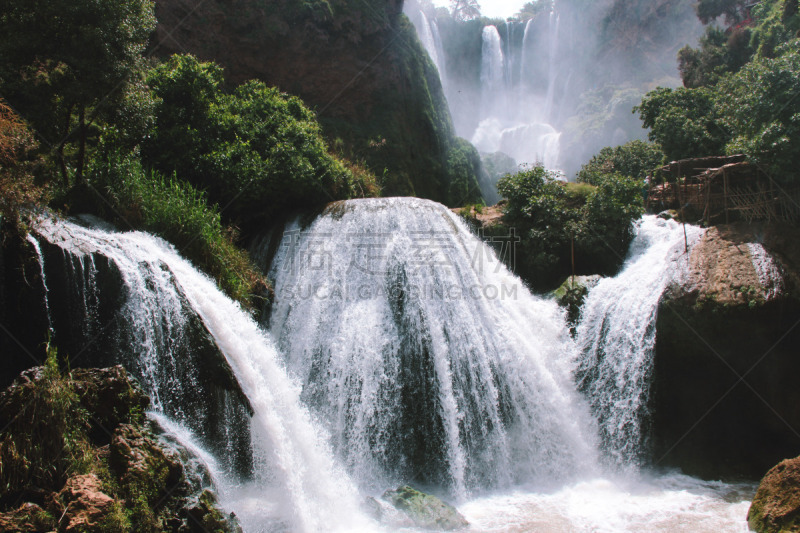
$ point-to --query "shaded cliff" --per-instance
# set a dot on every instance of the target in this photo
(359, 65)
(725, 388)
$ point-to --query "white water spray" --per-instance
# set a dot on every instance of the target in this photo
(426, 358)
(617, 335)
(293, 456)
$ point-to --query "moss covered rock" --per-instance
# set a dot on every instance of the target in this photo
(725, 395)
(425, 510)
(776, 505)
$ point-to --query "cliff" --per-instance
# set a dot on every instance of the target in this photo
(359, 65)
(725, 392)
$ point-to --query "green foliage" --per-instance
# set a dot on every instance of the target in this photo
(760, 105)
(634, 158)
(46, 440)
(531, 9)
(65, 65)
(552, 215)
(720, 52)
(255, 151)
(179, 213)
(733, 10)
(465, 9)
(683, 121)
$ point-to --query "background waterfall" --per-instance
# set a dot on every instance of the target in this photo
(292, 462)
(428, 361)
(616, 335)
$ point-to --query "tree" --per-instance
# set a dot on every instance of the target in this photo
(734, 11)
(531, 9)
(634, 159)
(465, 9)
(254, 151)
(760, 106)
(63, 65)
(683, 121)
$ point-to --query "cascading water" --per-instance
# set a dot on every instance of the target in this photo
(616, 335)
(422, 359)
(293, 463)
(427, 359)
(516, 109)
(428, 32)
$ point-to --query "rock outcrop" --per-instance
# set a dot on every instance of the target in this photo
(360, 65)
(425, 510)
(776, 505)
(725, 397)
(77, 450)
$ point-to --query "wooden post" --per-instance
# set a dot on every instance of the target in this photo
(725, 192)
(572, 246)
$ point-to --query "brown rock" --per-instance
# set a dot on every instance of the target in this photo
(142, 464)
(85, 504)
(111, 396)
(776, 505)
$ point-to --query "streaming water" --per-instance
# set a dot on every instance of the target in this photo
(404, 351)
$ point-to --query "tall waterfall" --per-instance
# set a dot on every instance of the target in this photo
(617, 335)
(518, 95)
(428, 361)
(293, 461)
(428, 32)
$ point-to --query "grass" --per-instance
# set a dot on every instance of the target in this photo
(179, 213)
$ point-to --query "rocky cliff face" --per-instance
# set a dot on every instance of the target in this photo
(358, 64)
(726, 395)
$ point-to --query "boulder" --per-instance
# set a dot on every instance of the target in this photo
(776, 505)
(205, 516)
(142, 465)
(111, 396)
(425, 510)
(85, 504)
(724, 395)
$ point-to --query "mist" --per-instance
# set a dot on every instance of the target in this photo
(557, 87)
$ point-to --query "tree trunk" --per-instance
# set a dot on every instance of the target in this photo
(82, 127)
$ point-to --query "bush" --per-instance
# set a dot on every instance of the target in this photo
(683, 121)
(759, 105)
(18, 163)
(552, 215)
(634, 159)
(255, 151)
(179, 213)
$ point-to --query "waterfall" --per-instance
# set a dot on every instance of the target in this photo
(427, 360)
(616, 335)
(428, 33)
(293, 461)
(493, 68)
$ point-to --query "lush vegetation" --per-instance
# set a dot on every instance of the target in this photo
(740, 89)
(554, 216)
(164, 147)
(634, 159)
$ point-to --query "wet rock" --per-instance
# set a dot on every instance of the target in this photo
(29, 517)
(425, 510)
(776, 505)
(85, 504)
(725, 395)
(206, 516)
(142, 465)
(111, 396)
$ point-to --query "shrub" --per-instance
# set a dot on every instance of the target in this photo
(634, 159)
(255, 151)
(553, 215)
(18, 163)
(179, 213)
